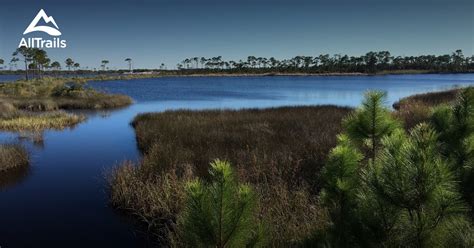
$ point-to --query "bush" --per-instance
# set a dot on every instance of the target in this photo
(404, 195)
(221, 213)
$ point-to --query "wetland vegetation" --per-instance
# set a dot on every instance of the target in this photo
(12, 156)
(39, 104)
(311, 176)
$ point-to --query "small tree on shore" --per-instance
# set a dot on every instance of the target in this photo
(27, 56)
(220, 213)
(13, 62)
(104, 64)
(69, 63)
(129, 61)
(370, 123)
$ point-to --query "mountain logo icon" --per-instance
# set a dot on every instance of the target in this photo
(47, 29)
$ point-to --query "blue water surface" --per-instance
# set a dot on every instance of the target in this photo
(62, 200)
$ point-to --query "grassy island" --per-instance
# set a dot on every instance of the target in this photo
(40, 103)
(307, 173)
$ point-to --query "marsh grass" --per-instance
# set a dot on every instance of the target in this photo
(37, 104)
(24, 121)
(278, 151)
(12, 156)
(428, 99)
(418, 108)
(48, 94)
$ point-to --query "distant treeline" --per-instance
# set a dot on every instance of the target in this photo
(35, 62)
(371, 62)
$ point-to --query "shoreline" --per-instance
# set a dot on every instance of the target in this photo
(111, 77)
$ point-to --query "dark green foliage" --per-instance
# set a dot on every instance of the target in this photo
(370, 122)
(456, 127)
(371, 62)
(407, 194)
(339, 191)
(411, 176)
(220, 213)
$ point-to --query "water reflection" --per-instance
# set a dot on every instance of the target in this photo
(13, 176)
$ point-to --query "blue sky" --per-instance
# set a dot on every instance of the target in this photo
(152, 32)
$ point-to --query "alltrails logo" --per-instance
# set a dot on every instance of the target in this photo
(37, 42)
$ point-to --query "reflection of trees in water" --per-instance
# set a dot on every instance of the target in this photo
(13, 176)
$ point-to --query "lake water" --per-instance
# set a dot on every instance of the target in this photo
(61, 201)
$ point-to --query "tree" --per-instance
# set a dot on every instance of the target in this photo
(104, 64)
(129, 61)
(2, 61)
(405, 196)
(27, 56)
(411, 176)
(341, 180)
(40, 59)
(56, 65)
(69, 63)
(369, 123)
(220, 213)
(13, 62)
(455, 125)
(76, 66)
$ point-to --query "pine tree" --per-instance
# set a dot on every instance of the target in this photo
(369, 123)
(341, 181)
(411, 176)
(456, 127)
(220, 213)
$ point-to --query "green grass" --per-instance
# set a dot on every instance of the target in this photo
(12, 156)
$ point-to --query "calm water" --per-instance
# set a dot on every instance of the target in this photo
(62, 201)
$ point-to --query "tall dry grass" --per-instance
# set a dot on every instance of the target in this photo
(24, 121)
(48, 94)
(12, 156)
(279, 151)
(418, 108)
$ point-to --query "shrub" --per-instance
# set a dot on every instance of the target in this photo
(455, 125)
(341, 181)
(411, 176)
(405, 196)
(221, 213)
(369, 123)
